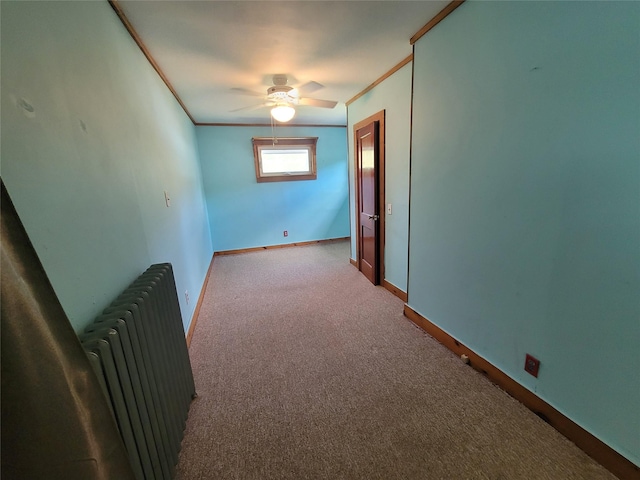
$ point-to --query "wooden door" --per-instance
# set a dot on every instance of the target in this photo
(368, 206)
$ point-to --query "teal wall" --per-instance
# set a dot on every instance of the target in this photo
(525, 199)
(393, 96)
(244, 213)
(87, 169)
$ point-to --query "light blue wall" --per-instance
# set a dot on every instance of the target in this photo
(393, 96)
(244, 213)
(525, 199)
(87, 169)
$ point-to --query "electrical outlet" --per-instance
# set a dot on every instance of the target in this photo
(186, 296)
(286, 234)
(531, 365)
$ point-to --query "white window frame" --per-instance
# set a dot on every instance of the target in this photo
(261, 144)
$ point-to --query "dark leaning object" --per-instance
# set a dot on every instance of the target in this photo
(56, 422)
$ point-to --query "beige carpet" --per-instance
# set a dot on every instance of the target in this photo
(305, 370)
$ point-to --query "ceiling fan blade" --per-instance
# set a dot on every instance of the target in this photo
(250, 107)
(244, 91)
(316, 102)
(309, 87)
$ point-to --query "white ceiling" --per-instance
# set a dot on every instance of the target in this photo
(207, 48)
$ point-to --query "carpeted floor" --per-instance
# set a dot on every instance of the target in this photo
(305, 370)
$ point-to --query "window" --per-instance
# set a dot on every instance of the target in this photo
(285, 159)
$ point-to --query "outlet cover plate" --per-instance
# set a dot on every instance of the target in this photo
(531, 365)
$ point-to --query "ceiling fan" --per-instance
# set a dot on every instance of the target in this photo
(283, 98)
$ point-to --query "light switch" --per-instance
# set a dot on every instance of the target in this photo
(389, 208)
(167, 199)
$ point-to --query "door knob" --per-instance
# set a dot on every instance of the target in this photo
(373, 217)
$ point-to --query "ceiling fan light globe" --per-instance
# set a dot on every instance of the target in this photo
(283, 113)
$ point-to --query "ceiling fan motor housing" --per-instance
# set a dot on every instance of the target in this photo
(279, 90)
(280, 93)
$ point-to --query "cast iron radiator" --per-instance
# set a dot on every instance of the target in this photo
(138, 350)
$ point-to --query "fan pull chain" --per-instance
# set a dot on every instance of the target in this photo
(273, 131)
